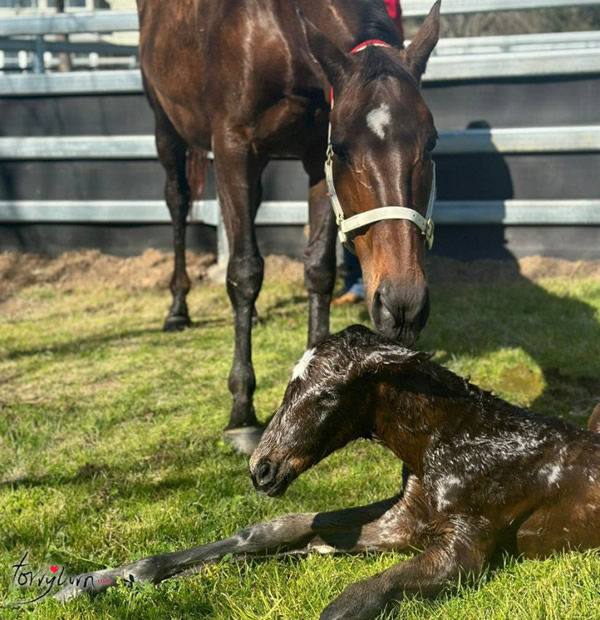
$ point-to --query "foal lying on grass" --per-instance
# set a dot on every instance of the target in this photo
(480, 474)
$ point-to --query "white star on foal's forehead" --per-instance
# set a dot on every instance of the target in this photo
(378, 119)
(301, 367)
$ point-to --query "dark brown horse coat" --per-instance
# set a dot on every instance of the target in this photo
(250, 80)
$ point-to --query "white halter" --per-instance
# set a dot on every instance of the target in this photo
(346, 225)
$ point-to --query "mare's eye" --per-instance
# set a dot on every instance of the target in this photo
(340, 151)
(430, 145)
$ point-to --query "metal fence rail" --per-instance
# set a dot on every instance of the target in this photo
(69, 23)
(582, 138)
(419, 8)
(274, 213)
(441, 68)
(122, 21)
(39, 26)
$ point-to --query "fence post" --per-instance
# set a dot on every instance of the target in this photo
(222, 244)
(38, 60)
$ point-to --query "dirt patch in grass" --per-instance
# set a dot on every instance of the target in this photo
(483, 271)
(153, 268)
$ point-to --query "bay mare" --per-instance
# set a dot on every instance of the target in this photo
(251, 80)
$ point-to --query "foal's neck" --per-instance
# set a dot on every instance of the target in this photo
(409, 416)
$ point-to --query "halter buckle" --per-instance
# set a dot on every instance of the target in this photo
(428, 232)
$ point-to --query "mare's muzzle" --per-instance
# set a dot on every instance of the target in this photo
(400, 312)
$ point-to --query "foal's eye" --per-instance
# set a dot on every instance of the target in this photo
(327, 397)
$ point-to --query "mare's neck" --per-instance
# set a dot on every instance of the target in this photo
(350, 23)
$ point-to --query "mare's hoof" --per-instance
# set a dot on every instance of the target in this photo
(176, 323)
(244, 439)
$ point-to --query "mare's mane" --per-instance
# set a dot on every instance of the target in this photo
(375, 23)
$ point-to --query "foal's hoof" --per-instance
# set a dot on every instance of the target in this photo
(176, 323)
(244, 439)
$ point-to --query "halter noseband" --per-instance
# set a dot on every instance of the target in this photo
(346, 225)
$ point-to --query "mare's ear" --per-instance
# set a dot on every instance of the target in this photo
(333, 61)
(417, 53)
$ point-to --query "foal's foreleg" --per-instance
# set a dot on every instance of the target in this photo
(457, 546)
(354, 529)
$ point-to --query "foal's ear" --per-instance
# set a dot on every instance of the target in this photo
(594, 420)
(417, 53)
(333, 61)
(390, 357)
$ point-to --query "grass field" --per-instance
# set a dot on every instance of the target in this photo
(111, 446)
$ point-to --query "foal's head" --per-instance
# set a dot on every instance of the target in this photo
(330, 400)
(382, 136)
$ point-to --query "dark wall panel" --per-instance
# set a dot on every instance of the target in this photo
(85, 180)
(508, 242)
(495, 177)
(535, 102)
(105, 115)
(53, 239)
(465, 177)
(502, 103)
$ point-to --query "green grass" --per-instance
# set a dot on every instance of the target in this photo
(111, 445)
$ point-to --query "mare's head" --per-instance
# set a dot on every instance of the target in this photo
(382, 136)
(329, 401)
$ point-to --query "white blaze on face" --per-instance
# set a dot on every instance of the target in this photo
(378, 120)
(301, 367)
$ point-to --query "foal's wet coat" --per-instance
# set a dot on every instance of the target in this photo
(480, 475)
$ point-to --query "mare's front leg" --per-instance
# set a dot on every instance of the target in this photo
(456, 546)
(319, 256)
(238, 172)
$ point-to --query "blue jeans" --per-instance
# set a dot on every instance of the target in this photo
(353, 281)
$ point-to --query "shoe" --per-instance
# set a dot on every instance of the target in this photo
(346, 299)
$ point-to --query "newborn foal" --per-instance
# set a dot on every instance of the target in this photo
(480, 474)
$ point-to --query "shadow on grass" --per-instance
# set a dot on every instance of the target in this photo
(90, 343)
(77, 345)
(556, 332)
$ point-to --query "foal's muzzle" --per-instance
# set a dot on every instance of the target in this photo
(271, 478)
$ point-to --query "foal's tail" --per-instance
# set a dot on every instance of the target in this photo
(195, 171)
(594, 420)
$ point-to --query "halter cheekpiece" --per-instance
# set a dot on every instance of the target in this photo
(346, 225)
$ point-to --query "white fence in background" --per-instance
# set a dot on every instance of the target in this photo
(29, 38)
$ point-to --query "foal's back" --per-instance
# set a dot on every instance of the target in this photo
(568, 517)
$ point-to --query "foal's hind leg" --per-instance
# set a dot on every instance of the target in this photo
(456, 546)
(172, 153)
(238, 173)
